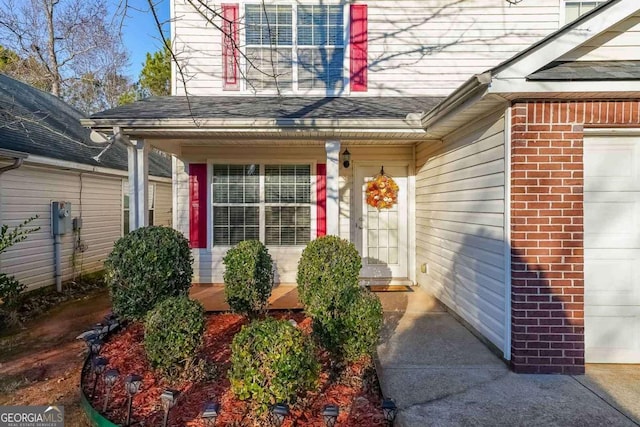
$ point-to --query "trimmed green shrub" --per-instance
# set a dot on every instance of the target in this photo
(327, 271)
(272, 361)
(145, 267)
(352, 330)
(346, 318)
(173, 333)
(248, 277)
(362, 321)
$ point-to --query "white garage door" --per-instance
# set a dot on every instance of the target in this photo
(612, 249)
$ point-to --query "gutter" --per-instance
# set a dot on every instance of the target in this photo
(475, 87)
(17, 156)
(255, 125)
(65, 164)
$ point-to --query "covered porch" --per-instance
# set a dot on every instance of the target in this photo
(274, 169)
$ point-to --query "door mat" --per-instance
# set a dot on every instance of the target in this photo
(390, 288)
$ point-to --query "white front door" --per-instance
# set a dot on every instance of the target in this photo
(612, 249)
(381, 235)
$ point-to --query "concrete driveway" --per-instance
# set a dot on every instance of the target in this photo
(440, 374)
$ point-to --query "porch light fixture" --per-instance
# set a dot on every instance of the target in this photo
(168, 399)
(390, 410)
(98, 365)
(210, 413)
(278, 414)
(110, 378)
(346, 158)
(132, 384)
(330, 415)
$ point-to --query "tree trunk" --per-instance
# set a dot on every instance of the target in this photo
(51, 47)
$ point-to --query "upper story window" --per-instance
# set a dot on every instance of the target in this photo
(575, 9)
(295, 47)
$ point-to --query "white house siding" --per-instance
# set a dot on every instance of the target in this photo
(619, 43)
(416, 47)
(460, 235)
(29, 191)
(208, 267)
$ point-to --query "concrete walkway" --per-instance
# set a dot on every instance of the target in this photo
(439, 374)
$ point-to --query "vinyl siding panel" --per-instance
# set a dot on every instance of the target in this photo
(164, 205)
(97, 199)
(29, 191)
(415, 47)
(460, 235)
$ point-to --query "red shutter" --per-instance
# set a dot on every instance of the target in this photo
(321, 199)
(358, 42)
(198, 205)
(230, 57)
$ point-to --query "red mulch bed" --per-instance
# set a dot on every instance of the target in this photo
(354, 388)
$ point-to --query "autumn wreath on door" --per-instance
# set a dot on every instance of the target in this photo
(382, 191)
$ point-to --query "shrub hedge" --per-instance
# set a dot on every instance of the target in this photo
(248, 277)
(145, 267)
(272, 361)
(173, 333)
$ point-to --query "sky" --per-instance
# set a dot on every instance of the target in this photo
(140, 33)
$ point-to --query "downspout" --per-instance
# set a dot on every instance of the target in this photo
(17, 162)
(18, 159)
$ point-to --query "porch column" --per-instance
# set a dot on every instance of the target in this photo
(333, 187)
(138, 184)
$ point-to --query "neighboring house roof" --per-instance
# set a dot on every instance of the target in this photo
(40, 124)
(588, 71)
(269, 107)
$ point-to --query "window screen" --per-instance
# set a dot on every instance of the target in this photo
(236, 194)
(282, 198)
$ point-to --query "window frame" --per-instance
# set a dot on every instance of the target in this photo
(242, 34)
(313, 202)
(565, 3)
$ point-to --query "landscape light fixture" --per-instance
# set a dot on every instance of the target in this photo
(110, 378)
(330, 415)
(132, 384)
(168, 399)
(95, 345)
(278, 414)
(346, 158)
(210, 413)
(98, 365)
(390, 410)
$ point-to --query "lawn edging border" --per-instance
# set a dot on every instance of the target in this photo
(95, 418)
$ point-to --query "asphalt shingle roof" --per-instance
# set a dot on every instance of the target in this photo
(588, 71)
(270, 107)
(38, 123)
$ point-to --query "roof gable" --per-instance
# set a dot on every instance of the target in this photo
(570, 37)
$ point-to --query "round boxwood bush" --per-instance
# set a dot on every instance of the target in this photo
(248, 277)
(361, 321)
(173, 333)
(272, 361)
(352, 331)
(327, 271)
(145, 267)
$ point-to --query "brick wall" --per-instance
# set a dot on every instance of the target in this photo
(547, 266)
